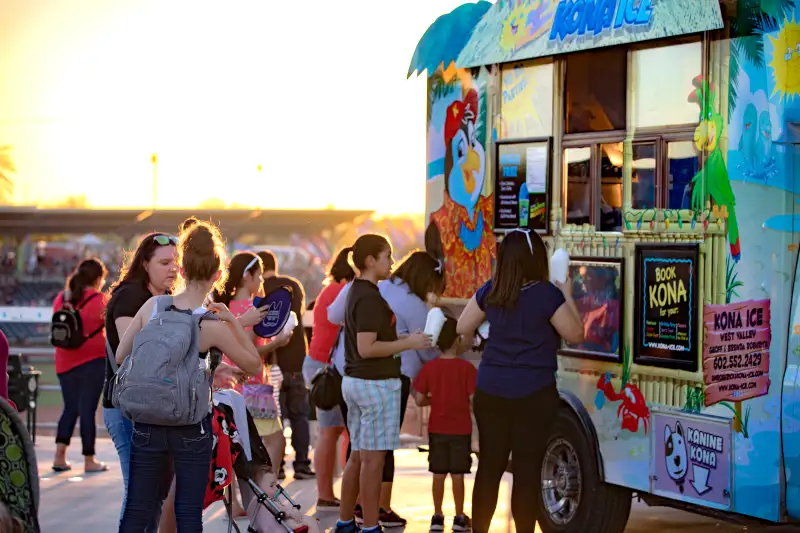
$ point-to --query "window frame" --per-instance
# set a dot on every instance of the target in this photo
(593, 141)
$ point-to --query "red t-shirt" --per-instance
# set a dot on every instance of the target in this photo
(325, 332)
(92, 318)
(450, 383)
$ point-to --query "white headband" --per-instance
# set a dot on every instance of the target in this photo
(527, 233)
(250, 264)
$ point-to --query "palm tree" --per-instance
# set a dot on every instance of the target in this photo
(6, 169)
(753, 19)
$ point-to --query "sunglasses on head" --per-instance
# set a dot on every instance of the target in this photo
(164, 240)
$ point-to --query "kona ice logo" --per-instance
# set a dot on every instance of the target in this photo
(596, 16)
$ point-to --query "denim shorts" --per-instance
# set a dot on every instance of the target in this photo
(325, 419)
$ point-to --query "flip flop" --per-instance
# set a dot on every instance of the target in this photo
(103, 468)
(61, 468)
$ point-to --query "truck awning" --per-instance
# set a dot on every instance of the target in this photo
(441, 43)
(513, 30)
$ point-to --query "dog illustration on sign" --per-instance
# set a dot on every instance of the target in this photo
(676, 455)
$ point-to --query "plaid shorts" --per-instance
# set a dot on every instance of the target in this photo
(373, 413)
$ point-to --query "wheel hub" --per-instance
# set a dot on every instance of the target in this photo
(561, 481)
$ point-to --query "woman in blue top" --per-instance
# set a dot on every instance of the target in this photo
(516, 398)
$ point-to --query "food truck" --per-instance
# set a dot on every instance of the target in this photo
(657, 142)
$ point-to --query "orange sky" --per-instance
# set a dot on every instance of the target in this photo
(313, 91)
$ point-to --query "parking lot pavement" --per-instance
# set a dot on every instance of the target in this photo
(74, 503)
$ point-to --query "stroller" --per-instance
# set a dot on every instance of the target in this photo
(266, 514)
(19, 478)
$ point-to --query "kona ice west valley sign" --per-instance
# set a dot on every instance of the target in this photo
(514, 30)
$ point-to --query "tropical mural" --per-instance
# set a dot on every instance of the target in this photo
(764, 82)
(459, 203)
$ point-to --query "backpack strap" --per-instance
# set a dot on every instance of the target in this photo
(111, 356)
(86, 301)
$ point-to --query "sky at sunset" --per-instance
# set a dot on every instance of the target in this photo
(313, 91)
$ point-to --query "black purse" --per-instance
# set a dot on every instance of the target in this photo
(326, 385)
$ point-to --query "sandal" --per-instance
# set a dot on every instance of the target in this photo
(334, 503)
(62, 468)
(103, 468)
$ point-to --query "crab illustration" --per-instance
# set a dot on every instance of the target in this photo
(632, 409)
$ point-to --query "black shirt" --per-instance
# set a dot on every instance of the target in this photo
(367, 312)
(291, 356)
(127, 299)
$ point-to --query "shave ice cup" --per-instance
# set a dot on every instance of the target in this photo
(291, 323)
(559, 266)
(434, 324)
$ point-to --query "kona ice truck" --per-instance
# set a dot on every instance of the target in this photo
(657, 141)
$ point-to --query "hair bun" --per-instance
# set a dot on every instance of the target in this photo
(200, 240)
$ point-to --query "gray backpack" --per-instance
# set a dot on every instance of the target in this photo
(164, 381)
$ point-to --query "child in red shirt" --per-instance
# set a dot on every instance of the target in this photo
(447, 385)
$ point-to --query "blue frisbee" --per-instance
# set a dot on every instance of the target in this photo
(279, 307)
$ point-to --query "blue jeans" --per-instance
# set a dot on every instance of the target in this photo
(153, 447)
(81, 388)
(294, 406)
(121, 431)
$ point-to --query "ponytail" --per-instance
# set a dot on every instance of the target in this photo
(341, 269)
(87, 274)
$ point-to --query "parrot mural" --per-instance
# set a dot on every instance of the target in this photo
(713, 178)
(460, 231)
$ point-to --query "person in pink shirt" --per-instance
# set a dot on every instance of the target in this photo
(243, 284)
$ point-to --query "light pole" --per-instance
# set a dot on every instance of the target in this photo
(154, 161)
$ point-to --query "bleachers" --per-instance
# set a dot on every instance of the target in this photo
(36, 293)
(23, 334)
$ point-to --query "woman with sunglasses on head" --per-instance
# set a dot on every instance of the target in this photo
(516, 398)
(151, 271)
(201, 258)
(81, 369)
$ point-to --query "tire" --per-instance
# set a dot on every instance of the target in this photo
(570, 478)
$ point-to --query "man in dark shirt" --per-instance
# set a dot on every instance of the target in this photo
(290, 358)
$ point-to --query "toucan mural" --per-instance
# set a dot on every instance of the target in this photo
(460, 224)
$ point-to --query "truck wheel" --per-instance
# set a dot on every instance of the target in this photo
(573, 497)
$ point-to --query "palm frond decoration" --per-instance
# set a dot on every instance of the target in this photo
(731, 283)
(626, 366)
(733, 77)
(695, 398)
(743, 422)
(438, 88)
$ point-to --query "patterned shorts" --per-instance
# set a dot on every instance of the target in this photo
(373, 413)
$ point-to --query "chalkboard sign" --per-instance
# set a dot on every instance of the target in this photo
(666, 313)
(522, 184)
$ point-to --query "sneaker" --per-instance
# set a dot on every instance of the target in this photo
(376, 529)
(358, 512)
(389, 518)
(349, 527)
(304, 472)
(437, 523)
(462, 523)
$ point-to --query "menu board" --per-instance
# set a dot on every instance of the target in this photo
(522, 183)
(666, 305)
(736, 351)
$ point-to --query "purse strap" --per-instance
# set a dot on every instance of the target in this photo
(332, 353)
